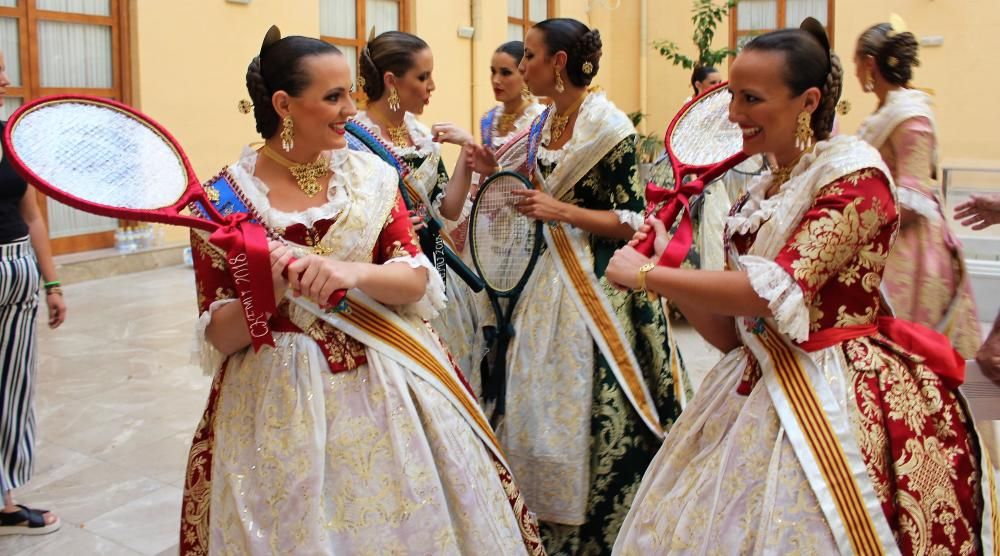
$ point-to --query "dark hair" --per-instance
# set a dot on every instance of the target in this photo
(699, 74)
(514, 49)
(894, 55)
(279, 68)
(808, 63)
(392, 52)
(581, 44)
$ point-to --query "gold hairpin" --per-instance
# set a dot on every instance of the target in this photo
(843, 107)
(587, 68)
(892, 61)
(244, 106)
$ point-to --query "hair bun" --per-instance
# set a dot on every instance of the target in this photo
(897, 57)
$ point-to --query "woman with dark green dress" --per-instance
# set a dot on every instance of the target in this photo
(593, 376)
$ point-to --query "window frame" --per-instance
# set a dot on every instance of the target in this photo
(781, 18)
(526, 22)
(360, 25)
(28, 17)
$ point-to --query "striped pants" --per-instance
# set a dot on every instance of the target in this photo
(19, 283)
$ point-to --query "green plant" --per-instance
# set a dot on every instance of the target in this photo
(648, 147)
(707, 16)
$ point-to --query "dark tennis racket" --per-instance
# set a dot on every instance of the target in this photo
(107, 158)
(701, 143)
(505, 245)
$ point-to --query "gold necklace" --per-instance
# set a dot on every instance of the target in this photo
(560, 121)
(505, 124)
(398, 135)
(306, 175)
(782, 173)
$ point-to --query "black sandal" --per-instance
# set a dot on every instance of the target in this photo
(27, 521)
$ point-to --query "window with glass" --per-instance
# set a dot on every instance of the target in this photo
(522, 14)
(347, 23)
(66, 47)
(755, 17)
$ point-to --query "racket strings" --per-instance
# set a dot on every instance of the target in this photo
(503, 239)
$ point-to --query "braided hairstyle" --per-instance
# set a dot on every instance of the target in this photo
(580, 43)
(279, 67)
(514, 49)
(809, 62)
(391, 52)
(895, 55)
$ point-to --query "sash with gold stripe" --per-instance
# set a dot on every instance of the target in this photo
(989, 534)
(374, 325)
(602, 323)
(821, 435)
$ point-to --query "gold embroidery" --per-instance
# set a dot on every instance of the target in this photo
(205, 249)
(826, 243)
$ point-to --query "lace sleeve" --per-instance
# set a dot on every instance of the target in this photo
(782, 293)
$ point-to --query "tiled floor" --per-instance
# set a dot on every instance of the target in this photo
(117, 403)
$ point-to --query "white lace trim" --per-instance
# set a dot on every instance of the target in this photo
(783, 294)
(919, 203)
(423, 144)
(434, 298)
(256, 190)
(203, 353)
(633, 219)
(530, 113)
(554, 156)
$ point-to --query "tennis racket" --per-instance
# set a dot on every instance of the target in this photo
(505, 245)
(702, 145)
(433, 238)
(106, 158)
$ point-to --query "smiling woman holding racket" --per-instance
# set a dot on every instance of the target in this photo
(828, 427)
(590, 370)
(355, 433)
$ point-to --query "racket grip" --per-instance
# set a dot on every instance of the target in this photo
(645, 247)
(337, 298)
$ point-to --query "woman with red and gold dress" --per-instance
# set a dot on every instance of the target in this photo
(354, 433)
(827, 427)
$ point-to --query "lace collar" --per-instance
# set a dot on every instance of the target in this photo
(422, 146)
(586, 115)
(533, 110)
(342, 167)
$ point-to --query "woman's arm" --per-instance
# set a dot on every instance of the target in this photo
(39, 235)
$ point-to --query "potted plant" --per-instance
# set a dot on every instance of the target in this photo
(648, 147)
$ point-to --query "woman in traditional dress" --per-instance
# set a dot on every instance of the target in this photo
(592, 375)
(818, 432)
(396, 71)
(353, 435)
(517, 108)
(925, 278)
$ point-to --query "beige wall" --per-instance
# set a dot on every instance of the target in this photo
(189, 61)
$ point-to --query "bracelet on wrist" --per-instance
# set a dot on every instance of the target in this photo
(52, 284)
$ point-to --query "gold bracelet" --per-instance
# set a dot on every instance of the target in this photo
(643, 270)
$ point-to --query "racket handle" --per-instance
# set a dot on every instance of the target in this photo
(337, 298)
(646, 245)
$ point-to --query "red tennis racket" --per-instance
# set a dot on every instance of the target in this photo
(701, 143)
(106, 158)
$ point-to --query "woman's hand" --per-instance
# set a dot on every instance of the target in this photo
(281, 255)
(417, 220)
(318, 277)
(623, 269)
(447, 132)
(57, 308)
(542, 206)
(979, 212)
(480, 159)
(656, 226)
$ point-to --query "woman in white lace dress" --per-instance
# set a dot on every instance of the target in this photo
(354, 433)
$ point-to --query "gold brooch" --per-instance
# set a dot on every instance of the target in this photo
(843, 107)
(587, 68)
(244, 106)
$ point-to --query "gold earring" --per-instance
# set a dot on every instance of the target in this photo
(804, 132)
(525, 91)
(869, 85)
(559, 82)
(287, 134)
(394, 100)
